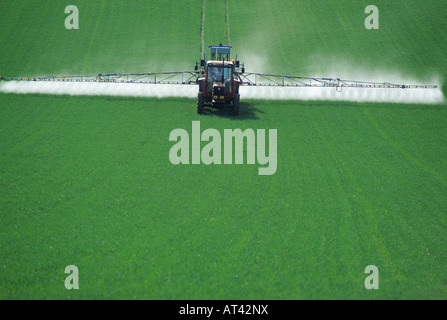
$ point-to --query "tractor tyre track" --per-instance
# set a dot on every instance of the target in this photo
(202, 31)
(227, 23)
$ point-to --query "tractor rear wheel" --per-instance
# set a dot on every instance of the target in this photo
(236, 101)
(200, 103)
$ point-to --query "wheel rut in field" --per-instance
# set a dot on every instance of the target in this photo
(202, 31)
(227, 23)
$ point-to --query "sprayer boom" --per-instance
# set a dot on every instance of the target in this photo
(246, 79)
(219, 77)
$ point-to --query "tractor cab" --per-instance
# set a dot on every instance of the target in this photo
(219, 79)
(219, 72)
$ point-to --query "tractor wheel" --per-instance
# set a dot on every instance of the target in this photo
(200, 103)
(236, 104)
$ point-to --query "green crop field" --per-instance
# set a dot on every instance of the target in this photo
(87, 180)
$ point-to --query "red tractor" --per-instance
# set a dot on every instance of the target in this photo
(219, 81)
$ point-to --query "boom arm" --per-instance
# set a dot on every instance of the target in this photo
(182, 77)
(246, 79)
(263, 79)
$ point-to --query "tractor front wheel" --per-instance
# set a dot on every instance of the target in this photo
(236, 101)
(200, 103)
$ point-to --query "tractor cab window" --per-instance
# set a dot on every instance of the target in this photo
(216, 73)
